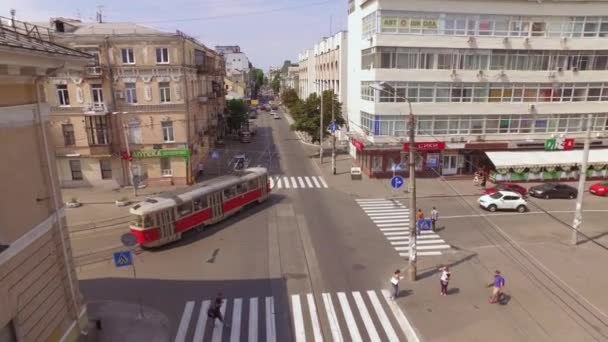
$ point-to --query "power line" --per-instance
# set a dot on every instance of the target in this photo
(313, 4)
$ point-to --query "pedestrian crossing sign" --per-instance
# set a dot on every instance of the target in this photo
(123, 258)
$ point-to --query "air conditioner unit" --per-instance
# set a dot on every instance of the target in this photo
(453, 139)
(575, 69)
(471, 40)
(505, 40)
(560, 69)
(531, 107)
(453, 73)
(564, 40)
(480, 73)
(479, 138)
(502, 73)
(527, 41)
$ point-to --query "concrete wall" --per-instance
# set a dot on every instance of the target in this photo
(14, 94)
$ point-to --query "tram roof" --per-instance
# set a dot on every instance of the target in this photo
(175, 197)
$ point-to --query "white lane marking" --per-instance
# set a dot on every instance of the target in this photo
(271, 329)
(314, 179)
(314, 317)
(379, 211)
(322, 181)
(424, 247)
(350, 319)
(521, 214)
(391, 220)
(424, 232)
(423, 238)
(235, 332)
(371, 200)
(388, 216)
(404, 324)
(286, 182)
(367, 320)
(218, 327)
(382, 206)
(404, 237)
(383, 225)
(298, 320)
(199, 332)
(182, 330)
(386, 324)
(253, 319)
(308, 182)
(293, 183)
(421, 242)
(301, 182)
(271, 182)
(332, 317)
(396, 233)
(279, 183)
(425, 253)
(394, 229)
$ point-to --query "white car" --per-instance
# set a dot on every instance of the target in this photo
(503, 200)
(276, 116)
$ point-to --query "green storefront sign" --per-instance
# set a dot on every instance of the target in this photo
(176, 152)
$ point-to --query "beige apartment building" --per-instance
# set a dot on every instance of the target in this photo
(39, 295)
(158, 95)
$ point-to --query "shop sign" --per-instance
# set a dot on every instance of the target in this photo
(405, 23)
(358, 145)
(559, 144)
(426, 146)
(176, 152)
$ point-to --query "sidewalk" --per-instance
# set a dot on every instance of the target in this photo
(120, 322)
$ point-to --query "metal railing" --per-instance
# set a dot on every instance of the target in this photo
(21, 28)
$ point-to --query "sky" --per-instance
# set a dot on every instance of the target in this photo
(268, 31)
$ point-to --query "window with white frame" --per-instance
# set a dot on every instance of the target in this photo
(165, 92)
(162, 55)
(68, 134)
(167, 127)
(165, 167)
(130, 93)
(127, 56)
(97, 94)
(134, 132)
(75, 170)
(63, 97)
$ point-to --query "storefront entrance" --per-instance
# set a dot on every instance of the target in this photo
(450, 165)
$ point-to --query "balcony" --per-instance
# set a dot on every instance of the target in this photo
(93, 71)
(67, 110)
(96, 108)
(100, 150)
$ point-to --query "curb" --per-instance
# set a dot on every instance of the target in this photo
(298, 134)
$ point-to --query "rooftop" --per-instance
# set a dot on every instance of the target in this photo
(27, 36)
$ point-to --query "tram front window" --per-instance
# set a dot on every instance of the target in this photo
(142, 221)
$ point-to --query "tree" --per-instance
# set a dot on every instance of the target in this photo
(237, 113)
(307, 114)
(276, 83)
(257, 76)
(289, 97)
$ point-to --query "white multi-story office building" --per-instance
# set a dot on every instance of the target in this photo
(480, 75)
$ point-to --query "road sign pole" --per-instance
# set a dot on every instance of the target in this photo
(412, 270)
(333, 134)
(578, 214)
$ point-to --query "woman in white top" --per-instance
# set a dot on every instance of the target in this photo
(444, 279)
(395, 283)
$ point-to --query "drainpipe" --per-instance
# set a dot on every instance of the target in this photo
(56, 206)
(187, 101)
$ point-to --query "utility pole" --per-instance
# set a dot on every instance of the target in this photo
(333, 134)
(124, 132)
(321, 128)
(412, 271)
(578, 213)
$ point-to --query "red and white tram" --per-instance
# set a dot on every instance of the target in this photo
(162, 219)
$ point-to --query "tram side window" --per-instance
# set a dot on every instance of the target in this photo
(200, 203)
(253, 184)
(184, 209)
(241, 188)
(229, 192)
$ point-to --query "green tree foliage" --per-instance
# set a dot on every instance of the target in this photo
(276, 83)
(307, 114)
(237, 113)
(257, 76)
(289, 97)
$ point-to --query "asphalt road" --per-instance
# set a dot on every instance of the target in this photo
(306, 264)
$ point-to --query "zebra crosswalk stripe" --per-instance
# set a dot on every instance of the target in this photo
(297, 182)
(298, 319)
(286, 182)
(293, 183)
(350, 319)
(199, 332)
(271, 180)
(253, 319)
(182, 330)
(367, 320)
(314, 317)
(332, 317)
(308, 181)
(323, 181)
(301, 182)
(271, 332)
(386, 324)
(219, 328)
(280, 186)
(235, 332)
(314, 179)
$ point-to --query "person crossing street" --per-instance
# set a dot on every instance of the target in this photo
(434, 217)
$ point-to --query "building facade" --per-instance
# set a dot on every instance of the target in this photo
(157, 94)
(238, 69)
(292, 79)
(39, 294)
(480, 76)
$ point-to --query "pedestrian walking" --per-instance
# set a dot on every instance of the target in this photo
(497, 285)
(434, 217)
(419, 215)
(476, 178)
(395, 283)
(444, 279)
(215, 310)
(199, 171)
(419, 220)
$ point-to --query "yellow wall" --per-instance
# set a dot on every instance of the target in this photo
(17, 94)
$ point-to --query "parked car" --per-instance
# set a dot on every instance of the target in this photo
(599, 189)
(508, 187)
(503, 200)
(245, 137)
(553, 190)
(276, 116)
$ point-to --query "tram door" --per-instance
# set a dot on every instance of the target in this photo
(262, 181)
(215, 201)
(166, 222)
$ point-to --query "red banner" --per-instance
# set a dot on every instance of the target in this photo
(426, 146)
(568, 143)
(358, 145)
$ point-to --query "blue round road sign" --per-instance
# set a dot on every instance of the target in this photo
(397, 182)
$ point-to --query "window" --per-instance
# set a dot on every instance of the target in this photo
(229, 192)
(97, 93)
(200, 203)
(167, 127)
(165, 92)
(134, 132)
(97, 130)
(184, 209)
(127, 56)
(130, 93)
(162, 55)
(63, 97)
(253, 184)
(106, 168)
(68, 135)
(165, 167)
(241, 188)
(76, 170)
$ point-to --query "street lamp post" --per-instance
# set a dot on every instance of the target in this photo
(333, 136)
(412, 271)
(124, 132)
(578, 213)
